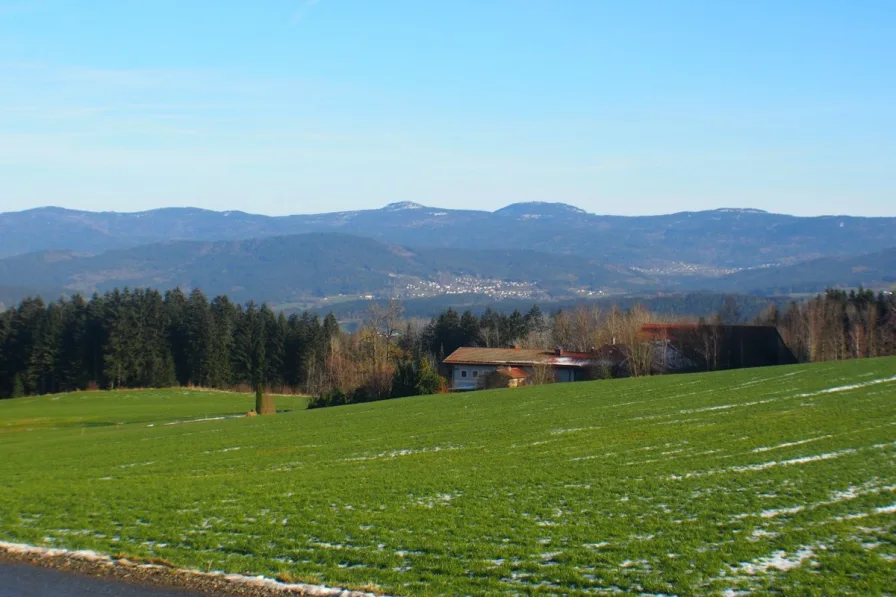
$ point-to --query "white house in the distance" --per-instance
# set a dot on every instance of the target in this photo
(469, 365)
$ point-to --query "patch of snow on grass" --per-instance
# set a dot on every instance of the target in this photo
(441, 499)
(689, 411)
(779, 511)
(792, 461)
(233, 449)
(205, 419)
(846, 388)
(572, 430)
(642, 564)
(779, 560)
(398, 453)
(794, 443)
(764, 465)
(133, 464)
(760, 533)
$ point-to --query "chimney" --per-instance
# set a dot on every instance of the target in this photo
(558, 352)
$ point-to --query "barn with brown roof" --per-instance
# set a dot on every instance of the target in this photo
(677, 348)
(467, 366)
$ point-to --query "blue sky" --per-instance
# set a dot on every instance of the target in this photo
(281, 106)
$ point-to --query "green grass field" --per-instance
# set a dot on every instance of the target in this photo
(765, 480)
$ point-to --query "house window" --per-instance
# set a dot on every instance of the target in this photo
(463, 372)
(475, 373)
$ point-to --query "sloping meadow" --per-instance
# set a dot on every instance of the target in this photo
(721, 483)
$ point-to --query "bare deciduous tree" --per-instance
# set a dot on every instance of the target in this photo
(626, 328)
(541, 374)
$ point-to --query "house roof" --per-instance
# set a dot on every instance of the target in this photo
(514, 372)
(516, 356)
(470, 355)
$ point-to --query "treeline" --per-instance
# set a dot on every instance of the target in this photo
(837, 325)
(831, 326)
(581, 329)
(141, 338)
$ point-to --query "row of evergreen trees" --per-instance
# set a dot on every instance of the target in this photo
(141, 338)
(450, 330)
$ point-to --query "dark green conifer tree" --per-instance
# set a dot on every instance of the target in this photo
(330, 327)
(73, 367)
(24, 328)
(42, 361)
(249, 347)
(175, 307)
(224, 316)
(470, 334)
(199, 334)
(155, 361)
(18, 387)
(95, 338)
(122, 346)
(5, 374)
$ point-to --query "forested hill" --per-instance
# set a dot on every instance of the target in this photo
(725, 238)
(874, 269)
(280, 269)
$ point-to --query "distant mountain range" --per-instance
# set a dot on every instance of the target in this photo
(706, 242)
(526, 251)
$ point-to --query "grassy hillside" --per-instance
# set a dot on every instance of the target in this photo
(691, 485)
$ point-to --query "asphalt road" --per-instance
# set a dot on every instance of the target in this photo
(20, 580)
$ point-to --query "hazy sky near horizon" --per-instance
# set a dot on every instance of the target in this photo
(297, 106)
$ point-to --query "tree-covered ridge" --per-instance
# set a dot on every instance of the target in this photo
(873, 269)
(305, 266)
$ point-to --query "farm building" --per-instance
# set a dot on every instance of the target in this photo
(468, 366)
(723, 346)
(673, 348)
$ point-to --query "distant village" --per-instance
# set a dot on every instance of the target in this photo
(492, 288)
